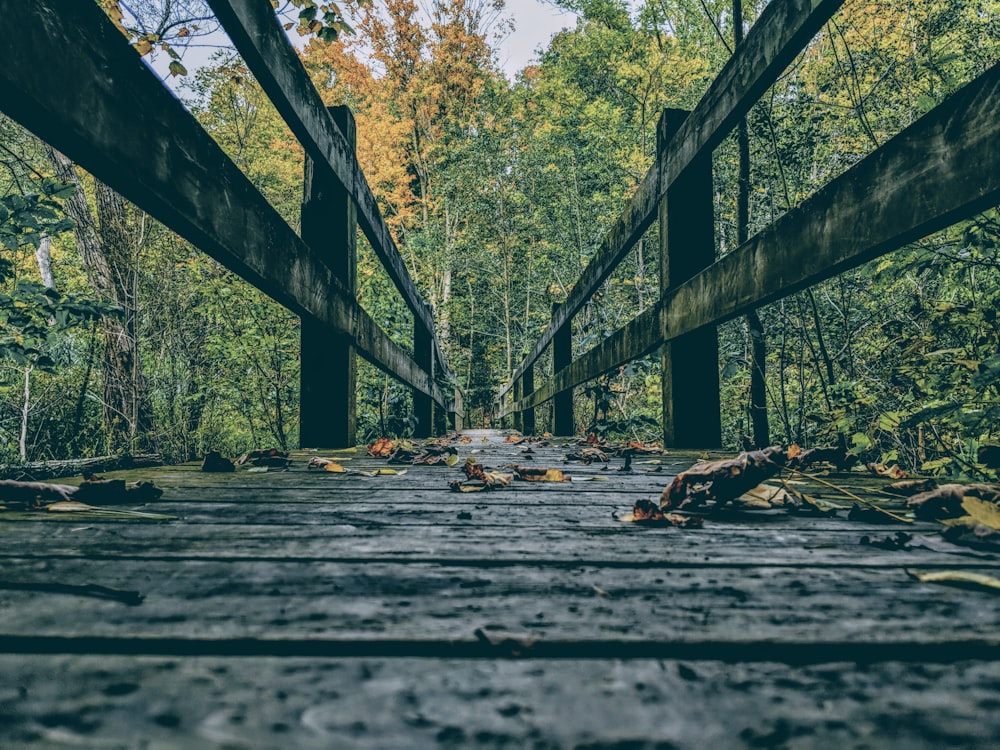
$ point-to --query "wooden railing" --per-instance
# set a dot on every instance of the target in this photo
(940, 170)
(72, 79)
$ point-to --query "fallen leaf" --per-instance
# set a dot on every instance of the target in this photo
(893, 472)
(215, 462)
(961, 577)
(982, 512)
(318, 462)
(836, 456)
(723, 480)
(909, 487)
(765, 496)
(389, 472)
(381, 448)
(647, 513)
(946, 500)
(532, 474)
(271, 457)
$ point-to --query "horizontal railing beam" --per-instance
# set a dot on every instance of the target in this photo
(255, 30)
(942, 169)
(97, 102)
(782, 31)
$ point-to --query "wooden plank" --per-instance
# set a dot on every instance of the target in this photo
(782, 30)
(73, 103)
(636, 338)
(341, 602)
(327, 361)
(486, 545)
(255, 30)
(940, 170)
(374, 703)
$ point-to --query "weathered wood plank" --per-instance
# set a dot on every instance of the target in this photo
(488, 545)
(425, 602)
(82, 103)
(646, 704)
(782, 30)
(940, 170)
(260, 40)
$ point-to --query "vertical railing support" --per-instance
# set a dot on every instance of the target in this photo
(527, 388)
(423, 405)
(562, 357)
(455, 415)
(328, 413)
(691, 408)
(518, 415)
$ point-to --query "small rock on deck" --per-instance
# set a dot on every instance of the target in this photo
(315, 610)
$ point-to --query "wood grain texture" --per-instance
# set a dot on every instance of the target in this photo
(310, 609)
(85, 102)
(782, 30)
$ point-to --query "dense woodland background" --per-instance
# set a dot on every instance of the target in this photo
(119, 336)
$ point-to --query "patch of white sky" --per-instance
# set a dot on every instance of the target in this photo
(534, 25)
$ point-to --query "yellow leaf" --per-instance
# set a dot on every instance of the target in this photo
(982, 512)
(389, 472)
(334, 467)
(956, 576)
(452, 459)
(143, 47)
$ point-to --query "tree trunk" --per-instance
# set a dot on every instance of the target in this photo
(108, 251)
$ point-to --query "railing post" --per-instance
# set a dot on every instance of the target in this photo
(517, 415)
(690, 363)
(527, 388)
(423, 355)
(455, 416)
(327, 412)
(562, 357)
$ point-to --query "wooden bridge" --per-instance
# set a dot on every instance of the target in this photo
(297, 610)
(312, 609)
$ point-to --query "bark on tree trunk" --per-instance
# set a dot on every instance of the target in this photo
(108, 253)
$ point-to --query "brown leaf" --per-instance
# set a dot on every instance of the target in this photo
(116, 492)
(836, 456)
(647, 513)
(533, 474)
(946, 500)
(893, 472)
(909, 487)
(381, 448)
(724, 480)
(264, 457)
(588, 456)
(216, 462)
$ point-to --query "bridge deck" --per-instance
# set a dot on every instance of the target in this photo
(308, 609)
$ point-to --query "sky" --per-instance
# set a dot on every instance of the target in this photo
(535, 23)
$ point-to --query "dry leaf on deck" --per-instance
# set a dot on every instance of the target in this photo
(647, 513)
(270, 457)
(910, 487)
(982, 512)
(215, 462)
(960, 577)
(837, 456)
(588, 456)
(765, 497)
(532, 474)
(318, 462)
(102, 491)
(723, 480)
(893, 472)
(946, 500)
(381, 448)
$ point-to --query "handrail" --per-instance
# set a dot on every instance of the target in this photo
(838, 228)
(259, 38)
(782, 30)
(129, 131)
